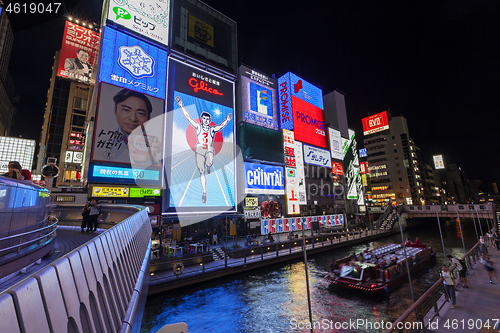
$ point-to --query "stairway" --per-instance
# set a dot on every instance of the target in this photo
(218, 253)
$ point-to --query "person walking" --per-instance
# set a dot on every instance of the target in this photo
(95, 211)
(449, 286)
(462, 269)
(85, 216)
(488, 266)
(497, 240)
(483, 248)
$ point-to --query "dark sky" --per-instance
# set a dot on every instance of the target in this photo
(435, 62)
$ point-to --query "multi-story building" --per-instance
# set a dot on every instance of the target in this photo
(431, 192)
(392, 159)
(8, 96)
(65, 119)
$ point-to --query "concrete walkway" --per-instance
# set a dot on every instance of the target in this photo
(476, 306)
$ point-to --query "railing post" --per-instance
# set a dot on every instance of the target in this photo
(225, 260)
(203, 264)
(262, 253)
(277, 250)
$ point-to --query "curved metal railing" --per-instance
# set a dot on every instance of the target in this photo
(98, 287)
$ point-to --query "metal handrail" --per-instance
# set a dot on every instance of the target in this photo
(418, 309)
(29, 233)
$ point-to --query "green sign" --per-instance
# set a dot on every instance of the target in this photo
(144, 192)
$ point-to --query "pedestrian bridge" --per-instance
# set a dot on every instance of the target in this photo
(100, 286)
(460, 210)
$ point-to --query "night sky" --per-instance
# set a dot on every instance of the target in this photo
(437, 63)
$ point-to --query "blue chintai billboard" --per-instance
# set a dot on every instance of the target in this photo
(264, 179)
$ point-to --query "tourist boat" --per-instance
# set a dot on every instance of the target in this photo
(379, 278)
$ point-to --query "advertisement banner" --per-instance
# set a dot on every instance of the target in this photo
(78, 51)
(148, 18)
(308, 123)
(102, 191)
(264, 227)
(292, 196)
(317, 156)
(362, 153)
(264, 179)
(258, 98)
(128, 127)
(279, 225)
(376, 123)
(144, 192)
(204, 33)
(335, 144)
(109, 174)
(352, 173)
(201, 173)
(130, 63)
(337, 169)
(438, 161)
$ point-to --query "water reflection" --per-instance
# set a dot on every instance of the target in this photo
(275, 299)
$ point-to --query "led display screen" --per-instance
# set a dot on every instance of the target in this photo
(352, 173)
(128, 128)
(130, 63)
(119, 175)
(438, 161)
(78, 50)
(317, 156)
(201, 173)
(335, 144)
(258, 99)
(148, 18)
(264, 179)
(376, 123)
(204, 33)
(301, 109)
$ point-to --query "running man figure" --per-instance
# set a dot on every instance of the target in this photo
(204, 150)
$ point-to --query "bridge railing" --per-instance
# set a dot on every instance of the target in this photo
(429, 301)
(95, 288)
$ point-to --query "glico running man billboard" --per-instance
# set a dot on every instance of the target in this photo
(301, 109)
(201, 170)
(78, 50)
(258, 98)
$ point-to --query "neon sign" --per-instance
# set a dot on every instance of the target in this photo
(202, 86)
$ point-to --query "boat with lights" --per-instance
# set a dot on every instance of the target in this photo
(382, 269)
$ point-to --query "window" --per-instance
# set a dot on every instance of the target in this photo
(397, 164)
(395, 150)
(399, 171)
(400, 179)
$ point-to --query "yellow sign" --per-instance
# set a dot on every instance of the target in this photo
(251, 202)
(201, 31)
(121, 192)
(364, 180)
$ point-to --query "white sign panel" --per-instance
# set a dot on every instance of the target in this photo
(335, 144)
(77, 157)
(292, 192)
(438, 162)
(299, 162)
(68, 157)
(317, 156)
(146, 17)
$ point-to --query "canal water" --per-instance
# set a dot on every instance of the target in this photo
(275, 299)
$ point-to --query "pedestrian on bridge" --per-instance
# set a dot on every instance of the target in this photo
(449, 286)
(462, 269)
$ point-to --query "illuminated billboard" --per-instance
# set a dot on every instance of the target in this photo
(264, 179)
(16, 149)
(121, 175)
(128, 127)
(376, 123)
(78, 51)
(294, 195)
(337, 169)
(130, 63)
(352, 172)
(201, 170)
(258, 99)
(362, 152)
(335, 144)
(317, 156)
(301, 109)
(204, 33)
(106, 191)
(438, 161)
(148, 18)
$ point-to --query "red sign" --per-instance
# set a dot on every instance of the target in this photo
(362, 168)
(337, 169)
(78, 50)
(203, 86)
(308, 124)
(376, 123)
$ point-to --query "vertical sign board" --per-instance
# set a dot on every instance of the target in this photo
(258, 98)
(438, 161)
(148, 18)
(335, 144)
(78, 50)
(351, 167)
(299, 162)
(291, 181)
(301, 109)
(201, 172)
